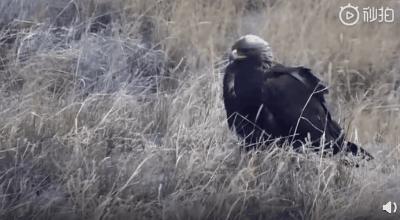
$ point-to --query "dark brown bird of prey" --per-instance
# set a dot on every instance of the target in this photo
(268, 102)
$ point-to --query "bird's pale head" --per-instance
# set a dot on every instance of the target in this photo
(251, 47)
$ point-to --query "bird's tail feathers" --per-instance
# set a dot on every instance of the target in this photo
(358, 151)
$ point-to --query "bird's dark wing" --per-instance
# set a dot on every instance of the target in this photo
(230, 99)
(296, 98)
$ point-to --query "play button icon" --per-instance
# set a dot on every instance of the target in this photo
(349, 15)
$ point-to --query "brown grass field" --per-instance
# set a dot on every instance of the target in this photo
(113, 110)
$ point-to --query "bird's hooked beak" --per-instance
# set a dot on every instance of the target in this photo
(235, 55)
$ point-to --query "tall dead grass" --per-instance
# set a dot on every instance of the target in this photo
(112, 110)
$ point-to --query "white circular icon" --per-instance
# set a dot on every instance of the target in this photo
(349, 15)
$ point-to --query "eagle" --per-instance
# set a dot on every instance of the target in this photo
(267, 102)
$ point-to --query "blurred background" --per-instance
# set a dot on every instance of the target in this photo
(113, 109)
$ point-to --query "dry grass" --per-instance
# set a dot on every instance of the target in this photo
(124, 119)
